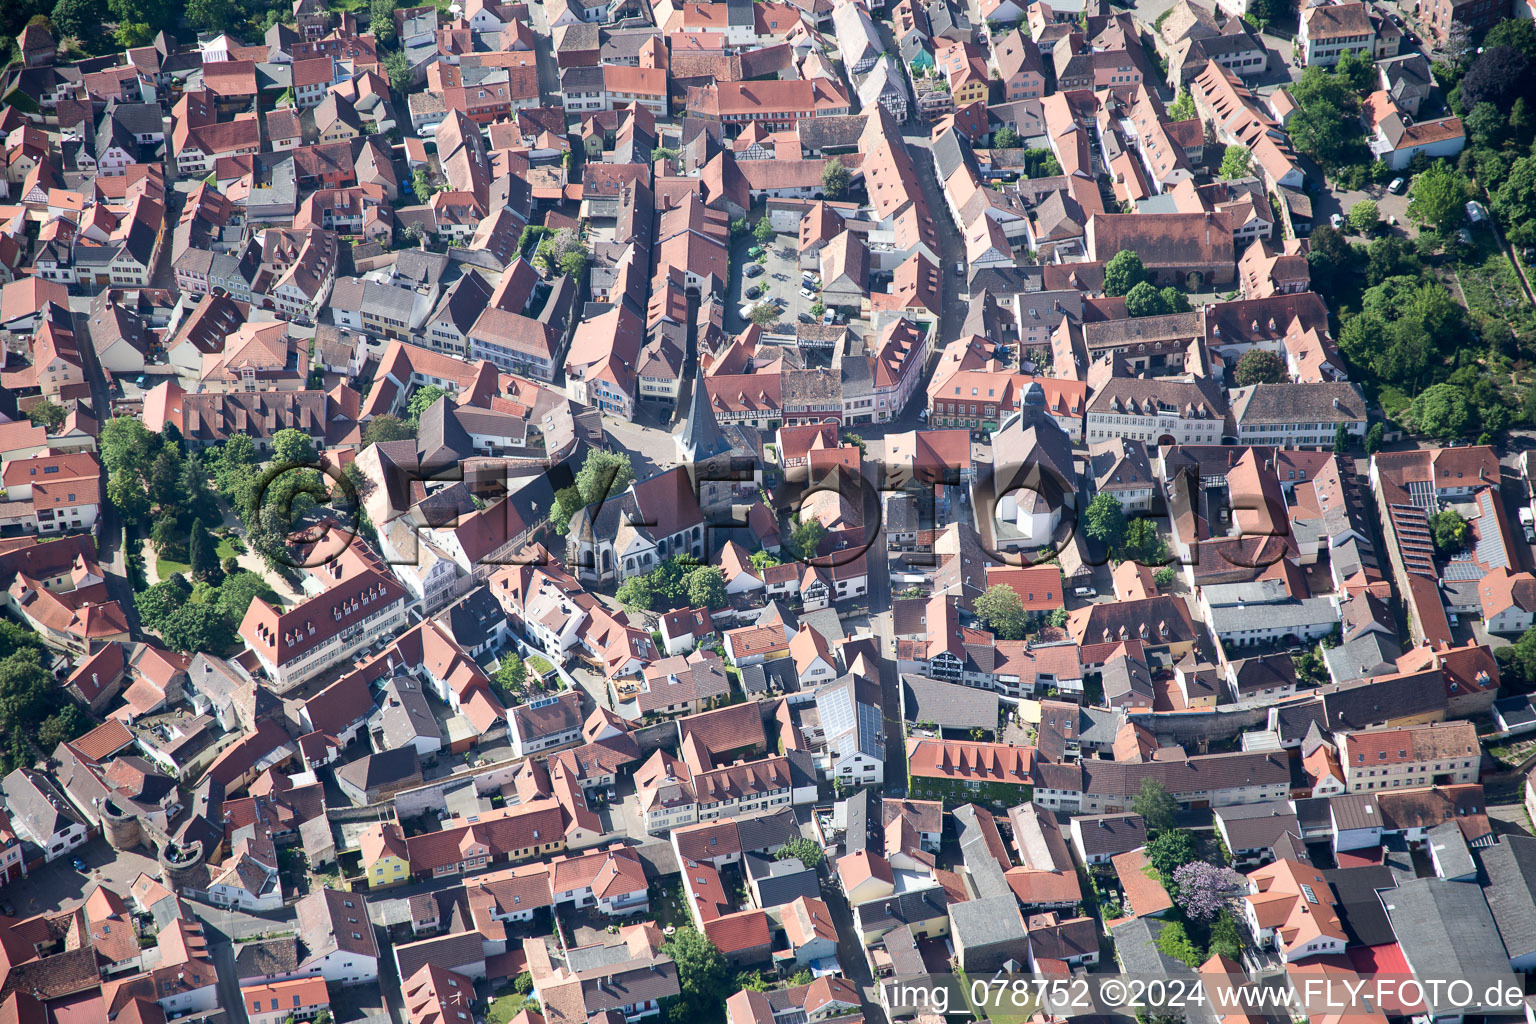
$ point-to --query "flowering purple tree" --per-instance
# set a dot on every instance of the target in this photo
(1205, 890)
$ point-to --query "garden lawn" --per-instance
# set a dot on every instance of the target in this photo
(166, 567)
(503, 1008)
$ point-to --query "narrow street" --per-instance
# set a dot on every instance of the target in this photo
(223, 952)
(850, 951)
(109, 526)
(544, 53)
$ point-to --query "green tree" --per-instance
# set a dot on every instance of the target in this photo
(1438, 197)
(1174, 942)
(1259, 366)
(1123, 272)
(292, 447)
(1364, 217)
(1144, 300)
(81, 19)
(807, 851)
(764, 560)
(1005, 138)
(198, 627)
(15, 638)
(125, 443)
(1183, 108)
(385, 427)
(1156, 806)
(1449, 531)
(1226, 940)
(604, 475)
(567, 503)
(1104, 520)
(702, 973)
(553, 251)
(1174, 301)
(1341, 440)
(1442, 412)
(26, 690)
(806, 537)
(166, 537)
(1164, 577)
(237, 592)
(512, 673)
(46, 414)
(1170, 850)
(751, 981)
(1326, 125)
(164, 479)
(1518, 33)
(706, 587)
(1390, 257)
(1374, 438)
(1236, 163)
(1517, 661)
(201, 552)
(398, 67)
(211, 15)
(764, 232)
(1142, 544)
(126, 494)
(63, 725)
(381, 21)
(424, 398)
(420, 183)
(523, 984)
(156, 604)
(637, 594)
(1001, 611)
(835, 180)
(1515, 201)
(764, 314)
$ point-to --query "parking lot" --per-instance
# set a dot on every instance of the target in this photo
(779, 281)
(1331, 201)
(58, 885)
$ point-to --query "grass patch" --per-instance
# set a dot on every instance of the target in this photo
(226, 549)
(539, 665)
(167, 567)
(504, 1008)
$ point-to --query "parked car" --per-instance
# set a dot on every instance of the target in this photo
(754, 291)
(959, 269)
(756, 251)
(806, 318)
(808, 294)
(753, 269)
(1397, 186)
(810, 280)
(1086, 592)
(1337, 220)
(80, 865)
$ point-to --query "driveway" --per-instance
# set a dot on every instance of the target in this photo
(1388, 205)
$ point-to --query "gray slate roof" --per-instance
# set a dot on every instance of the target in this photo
(1511, 892)
(1446, 931)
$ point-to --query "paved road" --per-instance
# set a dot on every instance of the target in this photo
(109, 527)
(544, 52)
(850, 951)
(223, 953)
